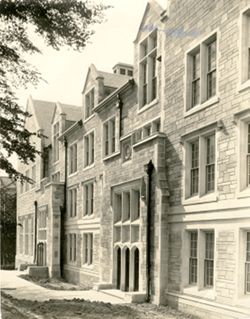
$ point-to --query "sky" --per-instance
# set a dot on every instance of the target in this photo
(65, 70)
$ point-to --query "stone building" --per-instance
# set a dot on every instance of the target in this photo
(145, 187)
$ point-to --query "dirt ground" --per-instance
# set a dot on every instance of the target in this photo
(81, 309)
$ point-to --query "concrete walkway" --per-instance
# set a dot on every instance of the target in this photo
(20, 288)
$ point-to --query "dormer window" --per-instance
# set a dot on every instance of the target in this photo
(89, 103)
(147, 69)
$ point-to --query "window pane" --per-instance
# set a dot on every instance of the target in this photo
(194, 167)
(210, 163)
(193, 258)
(209, 259)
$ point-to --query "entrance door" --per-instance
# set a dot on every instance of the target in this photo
(118, 267)
(136, 269)
(127, 262)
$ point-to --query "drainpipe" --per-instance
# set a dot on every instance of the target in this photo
(35, 235)
(119, 106)
(63, 209)
(149, 170)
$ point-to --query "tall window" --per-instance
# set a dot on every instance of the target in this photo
(73, 158)
(72, 202)
(201, 73)
(209, 259)
(88, 198)
(21, 231)
(26, 237)
(31, 220)
(89, 103)
(88, 248)
(248, 155)
(196, 79)
(211, 69)
(210, 163)
(247, 284)
(89, 152)
(245, 49)
(42, 225)
(200, 165)
(148, 74)
(109, 137)
(56, 142)
(72, 247)
(195, 167)
(193, 259)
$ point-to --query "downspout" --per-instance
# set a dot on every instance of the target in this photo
(35, 236)
(63, 209)
(149, 169)
(119, 106)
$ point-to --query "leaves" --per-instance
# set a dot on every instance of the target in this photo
(59, 23)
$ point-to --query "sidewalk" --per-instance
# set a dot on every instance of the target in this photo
(20, 288)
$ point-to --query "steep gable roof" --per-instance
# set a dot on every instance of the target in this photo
(154, 5)
(43, 112)
(73, 113)
(110, 79)
(114, 80)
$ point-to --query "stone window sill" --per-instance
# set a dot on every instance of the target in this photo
(72, 174)
(206, 293)
(111, 156)
(149, 138)
(89, 167)
(200, 200)
(213, 100)
(147, 106)
(88, 118)
(244, 86)
(244, 193)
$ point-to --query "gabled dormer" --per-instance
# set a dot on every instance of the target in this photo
(99, 84)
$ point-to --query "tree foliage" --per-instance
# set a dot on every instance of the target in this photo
(60, 23)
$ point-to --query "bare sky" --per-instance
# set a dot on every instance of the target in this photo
(65, 70)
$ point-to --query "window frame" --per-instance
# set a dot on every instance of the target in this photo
(88, 198)
(89, 103)
(56, 133)
(73, 158)
(148, 69)
(203, 193)
(109, 137)
(72, 202)
(244, 75)
(200, 46)
(89, 148)
(88, 249)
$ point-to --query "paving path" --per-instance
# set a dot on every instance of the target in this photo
(20, 288)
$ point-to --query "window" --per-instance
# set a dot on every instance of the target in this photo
(130, 73)
(26, 237)
(247, 276)
(34, 176)
(122, 71)
(72, 247)
(72, 202)
(45, 162)
(89, 152)
(147, 69)
(42, 225)
(242, 120)
(109, 137)
(88, 249)
(88, 196)
(200, 165)
(31, 221)
(89, 103)
(201, 73)
(200, 244)
(21, 230)
(193, 259)
(194, 167)
(73, 158)
(245, 46)
(209, 259)
(56, 142)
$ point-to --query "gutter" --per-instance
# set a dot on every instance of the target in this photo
(64, 207)
(149, 170)
(110, 97)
